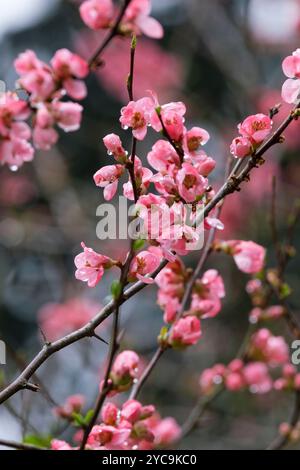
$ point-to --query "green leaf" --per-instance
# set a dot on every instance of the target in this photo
(116, 289)
(38, 440)
(79, 420)
(138, 244)
(88, 416)
(285, 291)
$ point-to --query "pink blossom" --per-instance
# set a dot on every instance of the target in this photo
(144, 263)
(60, 445)
(202, 162)
(273, 349)
(248, 256)
(137, 116)
(166, 432)
(241, 147)
(67, 115)
(291, 68)
(190, 183)
(14, 146)
(194, 139)
(171, 282)
(163, 156)
(90, 266)
(207, 294)
(126, 364)
(115, 147)
(211, 377)
(108, 177)
(39, 83)
(72, 405)
(256, 127)
(68, 68)
(108, 436)
(110, 414)
(137, 19)
(172, 115)
(27, 62)
(185, 332)
(257, 377)
(234, 381)
(97, 14)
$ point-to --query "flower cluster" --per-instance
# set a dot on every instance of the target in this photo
(133, 426)
(265, 352)
(46, 86)
(100, 14)
(253, 131)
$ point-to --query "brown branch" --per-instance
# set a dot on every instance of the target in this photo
(282, 440)
(113, 33)
(19, 445)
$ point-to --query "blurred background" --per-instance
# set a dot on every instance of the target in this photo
(223, 59)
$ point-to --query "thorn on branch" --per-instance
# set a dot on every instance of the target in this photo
(30, 386)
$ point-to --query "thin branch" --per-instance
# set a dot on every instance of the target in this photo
(113, 32)
(19, 446)
(282, 440)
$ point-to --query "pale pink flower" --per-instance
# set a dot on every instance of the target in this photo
(108, 177)
(97, 14)
(166, 432)
(137, 19)
(207, 294)
(27, 62)
(90, 266)
(248, 256)
(212, 377)
(115, 147)
(68, 68)
(56, 444)
(190, 183)
(110, 414)
(291, 68)
(143, 264)
(163, 156)
(15, 152)
(257, 377)
(126, 364)
(67, 115)
(185, 332)
(241, 147)
(137, 116)
(39, 83)
(234, 381)
(108, 436)
(44, 138)
(256, 127)
(273, 349)
(72, 405)
(202, 162)
(172, 115)
(194, 139)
